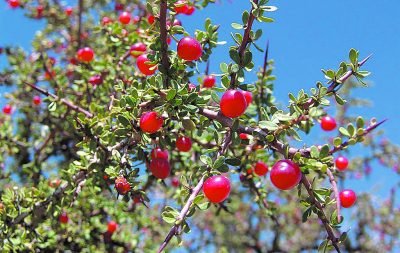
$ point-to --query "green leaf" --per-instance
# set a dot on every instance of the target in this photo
(219, 162)
(268, 125)
(237, 26)
(233, 161)
(124, 121)
(171, 94)
(52, 106)
(344, 131)
(206, 160)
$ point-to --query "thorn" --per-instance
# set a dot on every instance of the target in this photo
(365, 60)
(265, 59)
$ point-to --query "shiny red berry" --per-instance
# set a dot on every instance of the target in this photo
(243, 136)
(341, 163)
(159, 153)
(122, 185)
(181, 7)
(160, 168)
(261, 169)
(209, 82)
(150, 19)
(144, 66)
(96, 80)
(189, 49)
(150, 122)
(328, 123)
(63, 218)
(68, 11)
(37, 100)
(13, 3)
(7, 109)
(111, 227)
(184, 144)
(125, 17)
(137, 49)
(217, 188)
(248, 96)
(190, 10)
(168, 40)
(233, 104)
(85, 54)
(285, 175)
(347, 198)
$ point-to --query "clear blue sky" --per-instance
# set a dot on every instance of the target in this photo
(307, 36)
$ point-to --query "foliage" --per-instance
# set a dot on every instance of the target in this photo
(64, 154)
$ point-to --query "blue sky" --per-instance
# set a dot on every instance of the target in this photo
(307, 36)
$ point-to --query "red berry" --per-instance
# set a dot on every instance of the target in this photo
(125, 17)
(85, 54)
(119, 7)
(217, 188)
(190, 10)
(122, 185)
(144, 66)
(96, 80)
(261, 169)
(181, 7)
(160, 168)
(285, 175)
(138, 49)
(189, 49)
(37, 100)
(106, 20)
(242, 177)
(168, 40)
(183, 144)
(63, 218)
(137, 200)
(39, 10)
(159, 153)
(243, 136)
(341, 163)
(150, 19)
(233, 104)
(347, 198)
(49, 75)
(150, 122)
(328, 123)
(13, 3)
(248, 96)
(111, 227)
(7, 109)
(175, 182)
(68, 11)
(209, 82)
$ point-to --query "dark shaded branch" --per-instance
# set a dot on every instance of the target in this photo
(163, 36)
(62, 100)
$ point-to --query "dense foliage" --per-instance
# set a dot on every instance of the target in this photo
(108, 143)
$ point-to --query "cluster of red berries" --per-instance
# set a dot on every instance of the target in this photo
(122, 185)
(182, 7)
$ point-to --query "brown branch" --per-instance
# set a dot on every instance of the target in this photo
(80, 10)
(336, 192)
(336, 83)
(62, 100)
(331, 235)
(163, 36)
(245, 41)
(195, 192)
(39, 207)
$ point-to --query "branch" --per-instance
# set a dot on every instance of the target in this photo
(80, 10)
(163, 36)
(245, 41)
(42, 206)
(335, 190)
(341, 80)
(195, 192)
(331, 235)
(62, 100)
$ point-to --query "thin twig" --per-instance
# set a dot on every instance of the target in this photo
(163, 36)
(80, 10)
(336, 192)
(62, 100)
